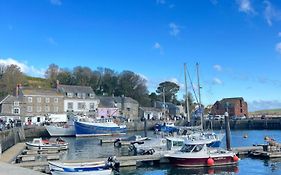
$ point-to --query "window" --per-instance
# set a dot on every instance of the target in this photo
(16, 111)
(16, 103)
(187, 148)
(92, 95)
(38, 108)
(56, 109)
(69, 105)
(81, 106)
(69, 94)
(47, 108)
(29, 108)
(38, 119)
(38, 99)
(83, 95)
(78, 95)
(56, 100)
(29, 99)
(47, 100)
(92, 106)
(128, 109)
(241, 110)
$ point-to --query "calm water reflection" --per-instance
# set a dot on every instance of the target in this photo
(88, 148)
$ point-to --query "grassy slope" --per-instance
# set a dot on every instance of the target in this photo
(268, 112)
(37, 82)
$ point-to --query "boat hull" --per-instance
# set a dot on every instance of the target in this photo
(56, 131)
(32, 146)
(89, 129)
(86, 170)
(201, 162)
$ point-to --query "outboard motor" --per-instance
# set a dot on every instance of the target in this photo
(113, 163)
(117, 143)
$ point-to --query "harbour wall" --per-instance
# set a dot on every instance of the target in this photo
(10, 137)
(246, 124)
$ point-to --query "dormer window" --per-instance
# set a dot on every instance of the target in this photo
(92, 95)
(78, 95)
(83, 95)
(69, 94)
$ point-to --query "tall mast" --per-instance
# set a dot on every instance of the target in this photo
(199, 94)
(164, 103)
(186, 96)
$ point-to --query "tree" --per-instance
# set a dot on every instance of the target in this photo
(169, 90)
(52, 73)
(107, 81)
(133, 85)
(11, 77)
(66, 77)
(82, 75)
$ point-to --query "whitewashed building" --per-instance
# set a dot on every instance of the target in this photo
(79, 100)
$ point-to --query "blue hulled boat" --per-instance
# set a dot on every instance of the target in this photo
(98, 127)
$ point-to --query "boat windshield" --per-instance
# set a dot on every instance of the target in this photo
(192, 148)
(187, 148)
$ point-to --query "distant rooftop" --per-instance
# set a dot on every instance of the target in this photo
(76, 89)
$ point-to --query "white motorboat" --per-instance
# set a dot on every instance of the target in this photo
(38, 144)
(195, 153)
(85, 168)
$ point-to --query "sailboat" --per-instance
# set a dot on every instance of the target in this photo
(198, 132)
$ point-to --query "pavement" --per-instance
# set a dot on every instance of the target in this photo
(10, 169)
(9, 155)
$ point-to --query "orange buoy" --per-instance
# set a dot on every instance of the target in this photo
(235, 158)
(210, 162)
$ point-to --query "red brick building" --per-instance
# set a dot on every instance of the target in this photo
(236, 107)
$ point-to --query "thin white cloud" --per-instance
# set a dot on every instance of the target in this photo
(270, 13)
(264, 104)
(52, 41)
(279, 34)
(217, 81)
(158, 47)
(278, 47)
(174, 29)
(160, 1)
(56, 2)
(217, 67)
(25, 68)
(245, 6)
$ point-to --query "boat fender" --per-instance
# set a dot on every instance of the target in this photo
(117, 143)
(235, 158)
(210, 161)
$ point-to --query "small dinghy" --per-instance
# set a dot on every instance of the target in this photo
(38, 144)
(86, 168)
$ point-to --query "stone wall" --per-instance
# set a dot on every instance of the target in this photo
(11, 137)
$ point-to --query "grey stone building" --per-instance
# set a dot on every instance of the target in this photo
(151, 113)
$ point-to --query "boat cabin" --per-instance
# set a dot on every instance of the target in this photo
(174, 143)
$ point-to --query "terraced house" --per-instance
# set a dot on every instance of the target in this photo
(79, 100)
(33, 102)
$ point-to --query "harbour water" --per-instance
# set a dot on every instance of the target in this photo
(87, 148)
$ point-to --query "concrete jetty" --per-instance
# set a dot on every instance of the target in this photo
(11, 169)
(10, 155)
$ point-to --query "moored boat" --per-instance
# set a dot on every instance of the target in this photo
(85, 168)
(64, 130)
(98, 127)
(38, 144)
(197, 154)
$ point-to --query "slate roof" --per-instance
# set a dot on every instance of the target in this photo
(151, 109)
(10, 99)
(110, 101)
(39, 91)
(76, 89)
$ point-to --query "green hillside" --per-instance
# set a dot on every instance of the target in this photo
(37, 82)
(268, 112)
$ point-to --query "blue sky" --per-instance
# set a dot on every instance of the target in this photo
(236, 42)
